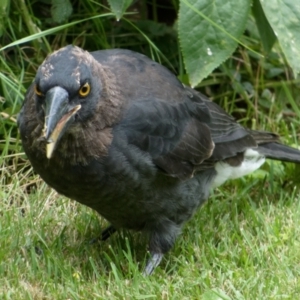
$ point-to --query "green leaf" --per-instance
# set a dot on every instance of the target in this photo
(118, 7)
(284, 17)
(3, 14)
(61, 10)
(215, 294)
(46, 32)
(208, 32)
(266, 32)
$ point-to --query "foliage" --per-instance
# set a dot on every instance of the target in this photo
(210, 31)
(284, 18)
(119, 7)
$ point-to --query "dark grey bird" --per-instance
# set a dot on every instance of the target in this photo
(119, 133)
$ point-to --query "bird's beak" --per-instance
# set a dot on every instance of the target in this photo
(59, 114)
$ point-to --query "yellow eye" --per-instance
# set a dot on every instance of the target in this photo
(37, 90)
(85, 90)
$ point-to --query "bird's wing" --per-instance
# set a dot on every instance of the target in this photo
(174, 139)
(230, 138)
(185, 136)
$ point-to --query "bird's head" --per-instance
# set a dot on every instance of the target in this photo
(67, 91)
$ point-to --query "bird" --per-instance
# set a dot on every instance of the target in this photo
(118, 132)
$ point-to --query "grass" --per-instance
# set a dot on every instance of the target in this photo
(242, 244)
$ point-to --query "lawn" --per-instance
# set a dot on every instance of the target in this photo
(243, 244)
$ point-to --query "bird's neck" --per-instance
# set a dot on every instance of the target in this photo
(82, 144)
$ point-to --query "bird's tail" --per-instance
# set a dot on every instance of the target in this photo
(278, 151)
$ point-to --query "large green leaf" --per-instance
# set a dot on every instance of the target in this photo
(61, 10)
(266, 32)
(284, 17)
(208, 32)
(119, 7)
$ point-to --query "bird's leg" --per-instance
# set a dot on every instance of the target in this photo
(162, 240)
(105, 234)
(152, 263)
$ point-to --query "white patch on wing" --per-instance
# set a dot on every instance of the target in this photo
(252, 161)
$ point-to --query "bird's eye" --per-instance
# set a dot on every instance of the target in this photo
(85, 89)
(38, 91)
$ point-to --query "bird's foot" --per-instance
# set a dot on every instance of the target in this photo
(105, 234)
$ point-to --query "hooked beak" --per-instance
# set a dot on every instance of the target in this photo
(59, 114)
